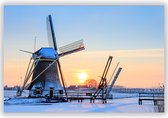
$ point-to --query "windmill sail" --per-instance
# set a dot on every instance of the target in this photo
(50, 33)
(71, 48)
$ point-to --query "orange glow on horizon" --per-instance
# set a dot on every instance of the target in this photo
(141, 68)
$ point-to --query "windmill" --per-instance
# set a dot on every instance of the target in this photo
(44, 66)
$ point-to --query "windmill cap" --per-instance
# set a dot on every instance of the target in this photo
(46, 53)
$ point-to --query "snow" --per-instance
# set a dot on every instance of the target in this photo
(123, 95)
(129, 103)
(9, 93)
(12, 93)
(48, 53)
(22, 101)
(117, 105)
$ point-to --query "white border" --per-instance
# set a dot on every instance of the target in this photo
(81, 2)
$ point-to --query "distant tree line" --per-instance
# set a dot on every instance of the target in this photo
(16, 87)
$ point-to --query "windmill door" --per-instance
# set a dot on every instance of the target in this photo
(51, 92)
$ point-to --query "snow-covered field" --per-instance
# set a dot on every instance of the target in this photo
(121, 104)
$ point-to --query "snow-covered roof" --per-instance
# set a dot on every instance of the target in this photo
(46, 52)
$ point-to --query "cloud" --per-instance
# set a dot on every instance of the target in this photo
(124, 53)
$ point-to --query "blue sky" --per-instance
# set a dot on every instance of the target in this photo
(101, 27)
(128, 33)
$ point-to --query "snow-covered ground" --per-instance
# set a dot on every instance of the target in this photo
(117, 105)
(12, 93)
(121, 104)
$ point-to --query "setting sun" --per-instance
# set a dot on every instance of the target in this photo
(82, 77)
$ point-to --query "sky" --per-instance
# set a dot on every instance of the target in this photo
(133, 35)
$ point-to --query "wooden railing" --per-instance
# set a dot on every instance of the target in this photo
(155, 97)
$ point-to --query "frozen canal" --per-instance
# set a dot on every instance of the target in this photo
(116, 105)
(122, 102)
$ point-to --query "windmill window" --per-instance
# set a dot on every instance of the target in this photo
(38, 91)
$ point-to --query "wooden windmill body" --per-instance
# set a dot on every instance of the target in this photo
(47, 82)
